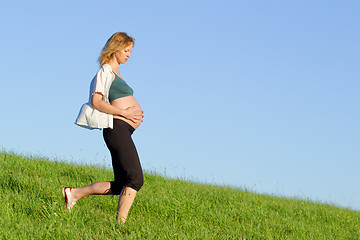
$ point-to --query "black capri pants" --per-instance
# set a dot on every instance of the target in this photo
(125, 159)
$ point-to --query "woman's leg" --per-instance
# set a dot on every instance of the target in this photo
(126, 164)
(126, 200)
(98, 188)
(73, 194)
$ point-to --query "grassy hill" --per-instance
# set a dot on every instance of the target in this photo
(32, 207)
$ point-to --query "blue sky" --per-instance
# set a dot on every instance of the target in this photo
(262, 95)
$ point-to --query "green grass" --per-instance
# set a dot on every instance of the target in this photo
(32, 207)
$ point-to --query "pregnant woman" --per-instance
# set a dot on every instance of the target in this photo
(118, 113)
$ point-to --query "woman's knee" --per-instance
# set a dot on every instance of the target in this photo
(136, 182)
(116, 187)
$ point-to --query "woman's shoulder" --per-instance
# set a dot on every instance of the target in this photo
(105, 71)
(105, 68)
(104, 76)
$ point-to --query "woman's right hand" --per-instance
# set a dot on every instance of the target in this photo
(133, 113)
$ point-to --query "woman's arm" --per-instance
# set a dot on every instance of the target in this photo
(131, 113)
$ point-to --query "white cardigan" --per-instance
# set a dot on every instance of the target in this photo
(90, 117)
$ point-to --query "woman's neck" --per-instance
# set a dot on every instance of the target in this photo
(114, 64)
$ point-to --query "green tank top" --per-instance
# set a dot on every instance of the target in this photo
(119, 89)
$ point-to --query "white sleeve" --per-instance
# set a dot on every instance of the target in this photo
(100, 81)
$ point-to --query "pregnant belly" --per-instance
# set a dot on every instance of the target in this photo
(124, 103)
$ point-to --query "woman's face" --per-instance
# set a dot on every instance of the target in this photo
(123, 55)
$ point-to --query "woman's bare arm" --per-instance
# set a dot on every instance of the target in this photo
(131, 113)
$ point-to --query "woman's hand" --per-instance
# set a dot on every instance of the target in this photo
(133, 113)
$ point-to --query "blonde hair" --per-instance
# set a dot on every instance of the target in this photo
(118, 41)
